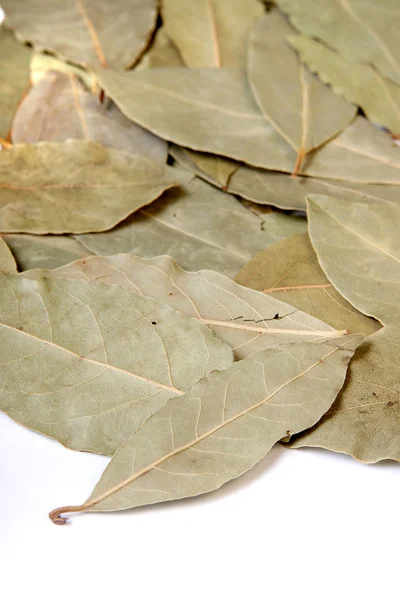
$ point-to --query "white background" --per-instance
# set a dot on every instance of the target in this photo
(304, 524)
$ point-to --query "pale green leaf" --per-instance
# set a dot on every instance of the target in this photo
(245, 319)
(199, 226)
(289, 271)
(212, 110)
(75, 187)
(358, 248)
(289, 96)
(361, 30)
(223, 427)
(44, 251)
(162, 53)
(42, 63)
(7, 261)
(277, 189)
(87, 32)
(87, 363)
(59, 108)
(14, 77)
(211, 33)
(357, 82)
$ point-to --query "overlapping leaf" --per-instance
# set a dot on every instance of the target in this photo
(88, 32)
(223, 427)
(87, 363)
(163, 53)
(357, 82)
(357, 247)
(361, 30)
(7, 262)
(289, 271)
(289, 96)
(59, 108)
(107, 185)
(245, 319)
(14, 77)
(199, 226)
(211, 33)
(212, 110)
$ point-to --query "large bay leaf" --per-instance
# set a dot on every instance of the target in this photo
(7, 262)
(364, 421)
(211, 33)
(359, 250)
(89, 32)
(199, 226)
(357, 82)
(361, 30)
(289, 96)
(162, 53)
(289, 271)
(245, 319)
(14, 77)
(87, 363)
(75, 187)
(60, 108)
(223, 427)
(212, 110)
(277, 189)
(44, 251)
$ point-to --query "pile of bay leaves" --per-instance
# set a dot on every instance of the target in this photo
(200, 226)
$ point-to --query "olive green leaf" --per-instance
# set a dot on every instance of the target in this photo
(289, 96)
(14, 77)
(289, 271)
(199, 226)
(87, 363)
(42, 63)
(36, 182)
(211, 33)
(361, 30)
(7, 261)
(212, 110)
(364, 420)
(277, 189)
(86, 32)
(358, 249)
(44, 251)
(223, 426)
(162, 53)
(357, 82)
(245, 319)
(60, 108)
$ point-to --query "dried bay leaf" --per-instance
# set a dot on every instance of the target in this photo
(199, 226)
(358, 248)
(289, 271)
(361, 30)
(245, 319)
(364, 420)
(223, 427)
(357, 82)
(87, 363)
(289, 96)
(42, 63)
(211, 33)
(44, 251)
(14, 77)
(277, 189)
(212, 110)
(107, 186)
(7, 261)
(86, 32)
(59, 108)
